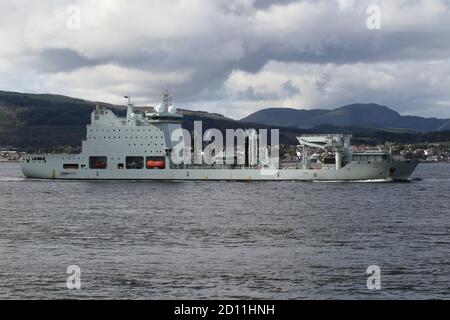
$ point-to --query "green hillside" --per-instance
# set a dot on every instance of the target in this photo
(48, 122)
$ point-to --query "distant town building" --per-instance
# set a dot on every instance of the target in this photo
(10, 155)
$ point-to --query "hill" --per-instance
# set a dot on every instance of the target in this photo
(46, 122)
(356, 115)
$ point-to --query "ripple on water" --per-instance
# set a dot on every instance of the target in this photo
(281, 240)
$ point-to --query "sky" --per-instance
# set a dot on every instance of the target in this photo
(232, 57)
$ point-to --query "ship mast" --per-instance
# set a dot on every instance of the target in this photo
(130, 109)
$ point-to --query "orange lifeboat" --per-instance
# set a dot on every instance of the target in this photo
(152, 164)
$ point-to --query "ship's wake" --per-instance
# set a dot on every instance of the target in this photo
(354, 181)
(12, 178)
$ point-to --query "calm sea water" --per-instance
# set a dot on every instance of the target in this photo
(280, 240)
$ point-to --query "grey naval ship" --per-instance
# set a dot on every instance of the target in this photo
(139, 147)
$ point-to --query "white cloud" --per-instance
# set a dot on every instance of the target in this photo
(332, 85)
(232, 56)
(114, 79)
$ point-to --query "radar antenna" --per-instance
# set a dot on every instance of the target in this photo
(129, 99)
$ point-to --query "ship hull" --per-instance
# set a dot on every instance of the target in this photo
(404, 169)
(52, 168)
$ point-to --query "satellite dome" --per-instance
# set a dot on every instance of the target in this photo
(159, 108)
(172, 109)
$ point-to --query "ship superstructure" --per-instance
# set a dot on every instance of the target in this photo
(139, 147)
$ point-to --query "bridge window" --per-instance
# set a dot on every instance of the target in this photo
(98, 162)
(360, 158)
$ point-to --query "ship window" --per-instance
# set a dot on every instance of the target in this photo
(120, 166)
(70, 166)
(134, 162)
(98, 162)
(361, 158)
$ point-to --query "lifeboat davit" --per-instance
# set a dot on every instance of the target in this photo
(152, 164)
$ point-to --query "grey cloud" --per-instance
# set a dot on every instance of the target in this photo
(235, 38)
(290, 89)
(263, 4)
(62, 60)
(250, 94)
(323, 83)
(335, 41)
